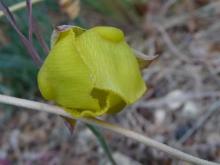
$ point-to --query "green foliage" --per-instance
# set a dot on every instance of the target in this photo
(99, 5)
(121, 11)
(17, 70)
(102, 142)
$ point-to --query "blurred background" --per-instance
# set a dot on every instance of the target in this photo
(181, 107)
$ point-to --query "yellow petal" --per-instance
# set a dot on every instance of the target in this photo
(110, 33)
(62, 28)
(65, 78)
(112, 62)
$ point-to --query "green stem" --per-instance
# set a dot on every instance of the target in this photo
(102, 142)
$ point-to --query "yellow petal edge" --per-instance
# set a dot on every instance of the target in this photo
(91, 72)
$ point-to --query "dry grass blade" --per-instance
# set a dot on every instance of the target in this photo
(187, 96)
(30, 20)
(199, 123)
(171, 45)
(9, 16)
(30, 48)
(19, 6)
(39, 36)
(177, 20)
(33, 27)
(115, 128)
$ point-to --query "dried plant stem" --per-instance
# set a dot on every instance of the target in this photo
(143, 56)
(115, 128)
(213, 8)
(19, 6)
(199, 123)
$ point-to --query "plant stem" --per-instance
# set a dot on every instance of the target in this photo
(102, 142)
(115, 128)
(19, 6)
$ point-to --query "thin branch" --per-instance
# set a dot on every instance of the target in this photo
(202, 12)
(171, 45)
(199, 123)
(158, 102)
(30, 19)
(19, 6)
(115, 128)
(143, 56)
(29, 46)
(39, 36)
(33, 27)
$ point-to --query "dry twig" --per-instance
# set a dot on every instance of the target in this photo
(115, 128)
(19, 6)
(215, 107)
(188, 96)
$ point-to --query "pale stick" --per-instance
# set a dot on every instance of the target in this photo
(19, 6)
(115, 128)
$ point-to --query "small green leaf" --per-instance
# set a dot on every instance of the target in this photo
(102, 142)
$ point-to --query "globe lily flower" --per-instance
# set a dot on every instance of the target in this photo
(90, 72)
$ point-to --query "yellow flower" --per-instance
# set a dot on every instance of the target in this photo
(91, 72)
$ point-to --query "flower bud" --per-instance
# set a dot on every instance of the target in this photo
(91, 72)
